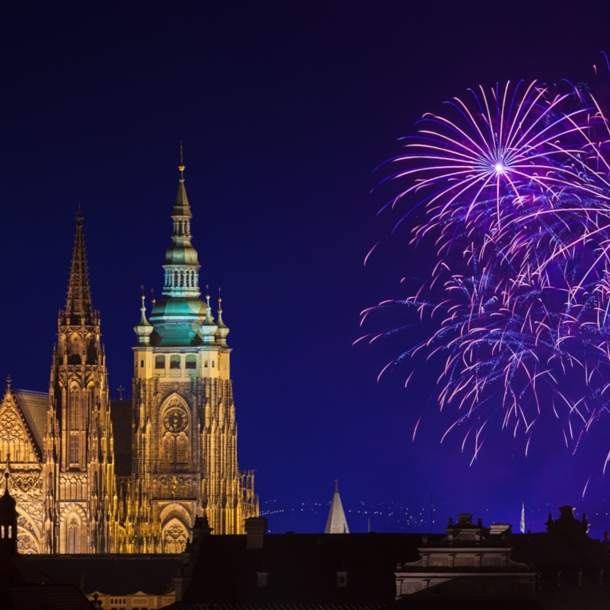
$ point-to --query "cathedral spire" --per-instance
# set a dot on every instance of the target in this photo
(79, 308)
(181, 263)
(336, 523)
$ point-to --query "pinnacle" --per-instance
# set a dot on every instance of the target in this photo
(336, 523)
(181, 204)
(79, 308)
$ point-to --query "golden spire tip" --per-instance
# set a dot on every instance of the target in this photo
(181, 166)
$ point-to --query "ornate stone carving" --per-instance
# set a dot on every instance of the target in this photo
(25, 481)
(175, 537)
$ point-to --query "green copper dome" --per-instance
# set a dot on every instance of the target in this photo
(177, 317)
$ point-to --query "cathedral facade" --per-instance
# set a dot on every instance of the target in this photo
(92, 475)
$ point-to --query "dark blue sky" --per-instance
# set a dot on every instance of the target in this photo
(285, 109)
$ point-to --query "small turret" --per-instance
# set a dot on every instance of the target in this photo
(208, 328)
(144, 329)
(223, 329)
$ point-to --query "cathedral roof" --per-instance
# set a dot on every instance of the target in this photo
(337, 523)
(33, 406)
(79, 307)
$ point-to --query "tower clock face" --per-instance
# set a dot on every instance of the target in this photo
(175, 420)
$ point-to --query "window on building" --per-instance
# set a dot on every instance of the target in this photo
(169, 448)
(159, 362)
(74, 449)
(73, 528)
(182, 448)
(141, 364)
(174, 362)
(341, 579)
(261, 579)
(191, 362)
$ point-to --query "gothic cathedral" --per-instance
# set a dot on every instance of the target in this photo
(172, 457)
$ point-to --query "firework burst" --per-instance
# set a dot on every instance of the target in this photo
(514, 183)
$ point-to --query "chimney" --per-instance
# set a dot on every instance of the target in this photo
(255, 532)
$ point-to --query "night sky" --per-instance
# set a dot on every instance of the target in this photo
(285, 110)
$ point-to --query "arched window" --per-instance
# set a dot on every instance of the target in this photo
(174, 362)
(191, 362)
(141, 364)
(182, 448)
(159, 362)
(168, 448)
(74, 449)
(74, 406)
(73, 532)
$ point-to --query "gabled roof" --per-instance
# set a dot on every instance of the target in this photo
(33, 406)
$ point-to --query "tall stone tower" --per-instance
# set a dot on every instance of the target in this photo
(77, 452)
(185, 434)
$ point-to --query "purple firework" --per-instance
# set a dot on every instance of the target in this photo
(517, 208)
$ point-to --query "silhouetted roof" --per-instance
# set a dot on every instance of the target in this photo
(300, 567)
(24, 586)
(120, 414)
(46, 597)
(112, 574)
(273, 606)
(34, 406)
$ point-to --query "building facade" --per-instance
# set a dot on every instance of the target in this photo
(182, 452)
